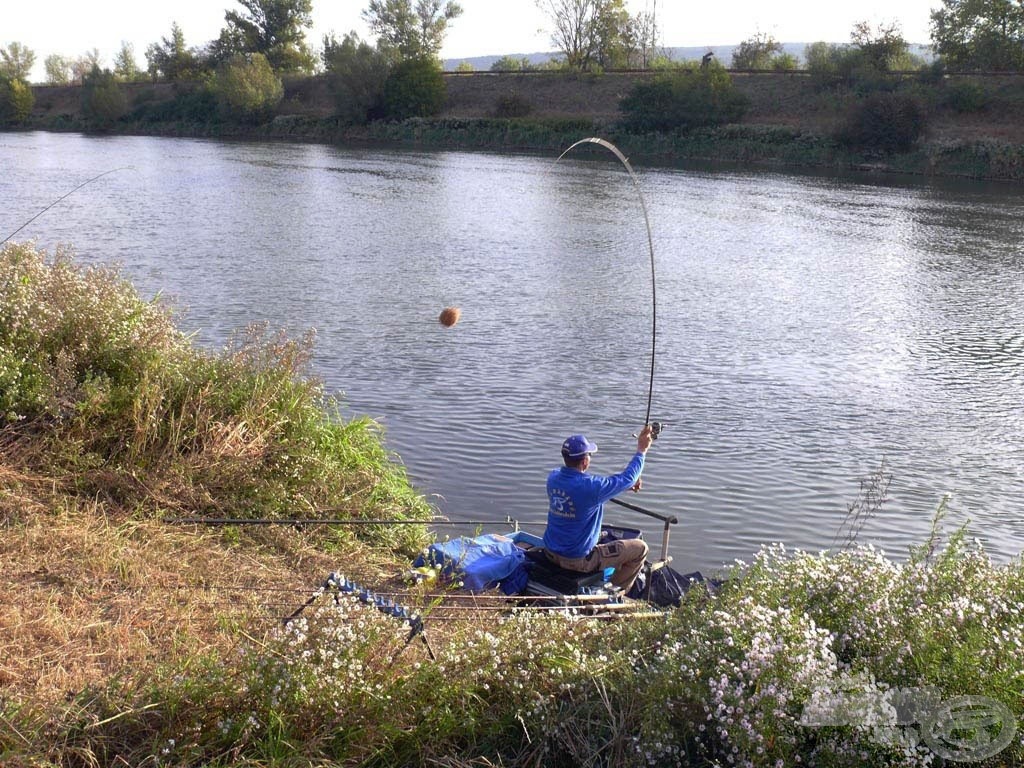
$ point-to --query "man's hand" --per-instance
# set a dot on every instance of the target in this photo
(635, 488)
(644, 439)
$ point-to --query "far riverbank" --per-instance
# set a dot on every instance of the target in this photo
(790, 121)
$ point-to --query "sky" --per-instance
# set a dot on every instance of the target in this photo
(486, 27)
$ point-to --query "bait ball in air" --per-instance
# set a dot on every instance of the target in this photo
(449, 316)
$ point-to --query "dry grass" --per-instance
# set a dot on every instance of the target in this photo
(92, 595)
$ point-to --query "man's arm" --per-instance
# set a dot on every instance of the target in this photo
(613, 485)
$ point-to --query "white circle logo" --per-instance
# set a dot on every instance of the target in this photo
(969, 728)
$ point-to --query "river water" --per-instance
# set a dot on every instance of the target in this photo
(810, 329)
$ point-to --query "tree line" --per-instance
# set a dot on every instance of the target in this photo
(238, 75)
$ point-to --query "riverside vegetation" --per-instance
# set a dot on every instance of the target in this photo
(925, 122)
(130, 641)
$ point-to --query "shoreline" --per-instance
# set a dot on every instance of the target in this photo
(744, 146)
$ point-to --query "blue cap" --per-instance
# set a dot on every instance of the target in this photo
(576, 446)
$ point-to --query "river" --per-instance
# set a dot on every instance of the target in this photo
(810, 329)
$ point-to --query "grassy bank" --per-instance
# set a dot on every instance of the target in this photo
(129, 641)
(764, 146)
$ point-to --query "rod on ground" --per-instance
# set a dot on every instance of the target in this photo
(304, 521)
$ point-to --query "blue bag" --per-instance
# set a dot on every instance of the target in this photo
(482, 562)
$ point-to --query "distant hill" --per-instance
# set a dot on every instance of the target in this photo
(722, 52)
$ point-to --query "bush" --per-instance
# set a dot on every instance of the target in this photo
(832, 65)
(247, 88)
(512, 105)
(103, 100)
(785, 62)
(966, 97)
(683, 99)
(198, 105)
(356, 73)
(98, 388)
(415, 88)
(885, 122)
(16, 100)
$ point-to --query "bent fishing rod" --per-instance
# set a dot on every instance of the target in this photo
(656, 426)
(62, 197)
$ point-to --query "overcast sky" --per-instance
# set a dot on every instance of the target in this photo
(487, 27)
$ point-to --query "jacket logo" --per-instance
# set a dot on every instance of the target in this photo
(561, 504)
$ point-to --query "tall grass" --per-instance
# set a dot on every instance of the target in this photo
(103, 395)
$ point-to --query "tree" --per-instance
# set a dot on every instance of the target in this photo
(84, 64)
(642, 32)
(247, 87)
(356, 73)
(415, 88)
(408, 30)
(980, 34)
(276, 29)
(58, 69)
(103, 101)
(171, 59)
(881, 49)
(613, 43)
(125, 68)
(756, 52)
(574, 33)
(16, 61)
(16, 100)
(600, 34)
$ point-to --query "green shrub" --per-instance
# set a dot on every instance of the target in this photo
(785, 62)
(247, 89)
(682, 99)
(512, 105)
(832, 65)
(884, 122)
(16, 100)
(189, 105)
(103, 99)
(97, 389)
(415, 88)
(356, 73)
(965, 97)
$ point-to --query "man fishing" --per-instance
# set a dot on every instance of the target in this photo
(576, 510)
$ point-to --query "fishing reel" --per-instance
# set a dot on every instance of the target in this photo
(656, 428)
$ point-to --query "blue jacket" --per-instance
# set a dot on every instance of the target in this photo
(576, 506)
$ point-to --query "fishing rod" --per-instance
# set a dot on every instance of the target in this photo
(656, 426)
(62, 197)
(300, 522)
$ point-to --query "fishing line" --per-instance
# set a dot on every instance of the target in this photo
(650, 243)
(84, 183)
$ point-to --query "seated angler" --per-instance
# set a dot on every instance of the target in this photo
(576, 510)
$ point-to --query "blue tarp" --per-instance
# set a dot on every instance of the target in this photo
(482, 562)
